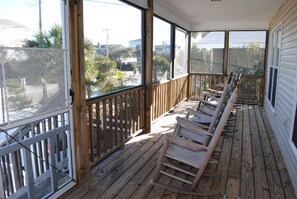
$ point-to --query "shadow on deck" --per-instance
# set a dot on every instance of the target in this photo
(250, 165)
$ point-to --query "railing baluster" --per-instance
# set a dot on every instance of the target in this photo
(91, 132)
(1, 180)
(126, 116)
(16, 171)
(9, 173)
(130, 114)
(104, 126)
(39, 147)
(134, 111)
(116, 118)
(34, 149)
(121, 120)
(110, 133)
(29, 174)
(98, 124)
(52, 161)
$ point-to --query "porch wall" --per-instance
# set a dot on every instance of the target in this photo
(282, 118)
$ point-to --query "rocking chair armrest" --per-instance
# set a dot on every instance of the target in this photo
(184, 143)
(192, 126)
(206, 102)
(213, 91)
(211, 95)
(221, 85)
(197, 113)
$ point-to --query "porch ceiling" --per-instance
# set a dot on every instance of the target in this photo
(224, 14)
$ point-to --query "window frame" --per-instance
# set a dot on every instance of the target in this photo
(178, 28)
(172, 43)
(227, 47)
(143, 46)
(190, 50)
(273, 67)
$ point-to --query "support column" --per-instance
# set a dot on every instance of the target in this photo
(79, 110)
(226, 55)
(148, 79)
(189, 85)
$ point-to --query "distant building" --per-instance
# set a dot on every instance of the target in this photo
(102, 49)
(13, 34)
(135, 43)
(164, 48)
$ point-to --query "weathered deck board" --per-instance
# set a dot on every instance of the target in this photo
(261, 184)
(247, 175)
(250, 164)
(281, 168)
(234, 172)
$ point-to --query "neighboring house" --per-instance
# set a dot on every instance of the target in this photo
(134, 43)
(281, 83)
(102, 49)
(13, 33)
(164, 48)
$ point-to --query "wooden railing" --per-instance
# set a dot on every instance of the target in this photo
(251, 88)
(167, 94)
(112, 120)
(37, 162)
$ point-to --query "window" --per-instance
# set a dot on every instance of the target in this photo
(162, 50)
(113, 46)
(207, 52)
(294, 138)
(247, 52)
(274, 63)
(181, 49)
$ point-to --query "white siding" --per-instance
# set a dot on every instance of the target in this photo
(281, 118)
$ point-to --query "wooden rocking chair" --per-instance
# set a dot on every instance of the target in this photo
(189, 155)
(197, 121)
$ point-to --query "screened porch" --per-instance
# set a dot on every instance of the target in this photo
(88, 92)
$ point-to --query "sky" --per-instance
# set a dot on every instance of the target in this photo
(26, 12)
(123, 21)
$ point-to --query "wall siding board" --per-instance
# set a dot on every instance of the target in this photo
(290, 38)
(289, 51)
(290, 45)
(281, 117)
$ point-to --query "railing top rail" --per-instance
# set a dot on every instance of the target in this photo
(29, 120)
(168, 80)
(16, 146)
(32, 49)
(214, 74)
(205, 73)
(111, 95)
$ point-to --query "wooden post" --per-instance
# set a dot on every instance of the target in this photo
(81, 156)
(189, 85)
(262, 87)
(226, 55)
(148, 65)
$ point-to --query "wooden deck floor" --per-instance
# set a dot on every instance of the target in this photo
(250, 165)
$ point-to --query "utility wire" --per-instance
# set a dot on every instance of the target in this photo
(36, 155)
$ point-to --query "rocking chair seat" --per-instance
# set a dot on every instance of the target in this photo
(187, 156)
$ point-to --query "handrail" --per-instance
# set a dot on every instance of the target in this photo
(113, 94)
(251, 88)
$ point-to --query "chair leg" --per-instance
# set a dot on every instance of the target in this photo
(198, 176)
(160, 161)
